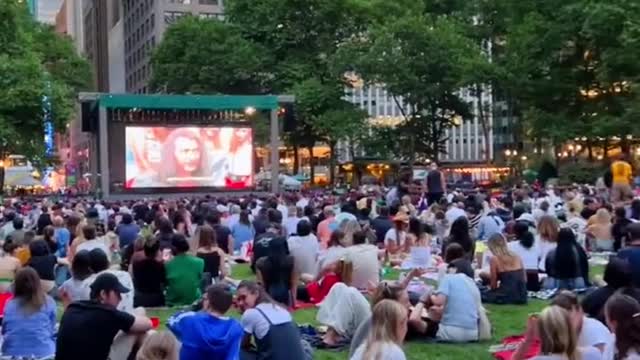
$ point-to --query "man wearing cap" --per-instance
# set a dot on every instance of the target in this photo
(88, 328)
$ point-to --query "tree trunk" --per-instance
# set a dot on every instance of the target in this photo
(483, 124)
(332, 162)
(312, 166)
(590, 149)
(625, 146)
(296, 159)
(605, 148)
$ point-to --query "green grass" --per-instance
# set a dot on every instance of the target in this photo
(505, 319)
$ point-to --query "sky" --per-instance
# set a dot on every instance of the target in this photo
(47, 10)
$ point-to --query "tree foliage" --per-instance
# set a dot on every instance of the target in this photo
(34, 62)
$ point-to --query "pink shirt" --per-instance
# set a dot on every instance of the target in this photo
(324, 233)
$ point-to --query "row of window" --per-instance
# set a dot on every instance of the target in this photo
(141, 33)
(201, 2)
(140, 55)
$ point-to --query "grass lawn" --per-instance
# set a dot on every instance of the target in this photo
(506, 320)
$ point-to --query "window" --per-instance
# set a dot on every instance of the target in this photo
(208, 2)
(186, 2)
(171, 17)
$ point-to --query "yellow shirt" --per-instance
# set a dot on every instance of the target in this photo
(621, 171)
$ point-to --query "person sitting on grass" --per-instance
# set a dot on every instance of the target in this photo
(591, 332)
(149, 276)
(209, 334)
(507, 279)
(88, 328)
(276, 273)
(388, 329)
(558, 338)
(161, 345)
(622, 313)
(617, 275)
(418, 327)
(29, 323)
(184, 274)
(74, 289)
(99, 263)
(567, 265)
(270, 325)
(212, 255)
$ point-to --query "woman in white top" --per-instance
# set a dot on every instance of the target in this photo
(388, 329)
(395, 238)
(304, 248)
(547, 238)
(558, 338)
(525, 247)
(622, 313)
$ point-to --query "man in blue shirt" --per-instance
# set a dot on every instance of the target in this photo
(209, 334)
(127, 231)
(631, 252)
(488, 225)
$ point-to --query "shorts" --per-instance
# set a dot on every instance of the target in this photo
(456, 334)
(621, 192)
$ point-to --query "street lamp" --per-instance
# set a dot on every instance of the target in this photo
(507, 152)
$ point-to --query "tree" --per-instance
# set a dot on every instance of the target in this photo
(573, 68)
(202, 56)
(424, 60)
(34, 62)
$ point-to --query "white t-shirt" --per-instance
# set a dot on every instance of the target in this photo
(593, 333)
(253, 322)
(99, 243)
(305, 250)
(392, 235)
(390, 351)
(530, 257)
(366, 266)
(291, 225)
(545, 248)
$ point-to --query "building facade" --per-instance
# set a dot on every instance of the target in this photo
(144, 23)
(465, 143)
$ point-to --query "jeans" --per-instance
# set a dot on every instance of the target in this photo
(568, 284)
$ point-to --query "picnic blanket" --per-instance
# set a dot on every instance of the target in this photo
(510, 344)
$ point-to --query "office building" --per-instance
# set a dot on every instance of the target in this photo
(144, 23)
(465, 141)
(45, 10)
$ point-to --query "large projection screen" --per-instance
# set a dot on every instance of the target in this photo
(188, 157)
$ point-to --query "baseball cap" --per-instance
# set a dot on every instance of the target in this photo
(108, 282)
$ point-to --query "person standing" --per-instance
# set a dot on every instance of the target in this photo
(621, 181)
(435, 184)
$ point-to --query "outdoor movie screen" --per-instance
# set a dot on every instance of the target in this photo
(182, 157)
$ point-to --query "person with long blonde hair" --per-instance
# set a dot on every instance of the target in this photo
(600, 230)
(547, 238)
(388, 329)
(506, 273)
(557, 335)
(161, 345)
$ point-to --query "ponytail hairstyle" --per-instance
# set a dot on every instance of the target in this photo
(521, 230)
(344, 270)
(623, 317)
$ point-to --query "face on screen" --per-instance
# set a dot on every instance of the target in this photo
(179, 157)
(187, 154)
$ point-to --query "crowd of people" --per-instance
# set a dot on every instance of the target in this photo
(109, 262)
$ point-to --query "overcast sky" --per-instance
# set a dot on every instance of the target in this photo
(47, 10)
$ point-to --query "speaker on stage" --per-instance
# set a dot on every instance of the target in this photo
(89, 114)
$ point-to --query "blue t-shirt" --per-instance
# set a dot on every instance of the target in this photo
(204, 336)
(127, 233)
(461, 309)
(632, 255)
(63, 237)
(29, 334)
(241, 234)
